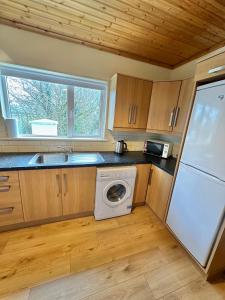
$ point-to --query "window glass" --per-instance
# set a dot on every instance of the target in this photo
(87, 114)
(40, 107)
(51, 104)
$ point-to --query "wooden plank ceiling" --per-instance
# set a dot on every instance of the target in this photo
(163, 32)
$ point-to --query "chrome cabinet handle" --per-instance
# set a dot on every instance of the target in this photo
(65, 184)
(59, 185)
(217, 69)
(177, 110)
(6, 210)
(4, 178)
(134, 114)
(5, 188)
(150, 177)
(171, 118)
(130, 114)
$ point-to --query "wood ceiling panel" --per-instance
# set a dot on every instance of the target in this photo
(163, 32)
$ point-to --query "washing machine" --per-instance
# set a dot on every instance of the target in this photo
(114, 191)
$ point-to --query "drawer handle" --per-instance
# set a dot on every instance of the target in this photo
(217, 69)
(5, 188)
(6, 210)
(4, 178)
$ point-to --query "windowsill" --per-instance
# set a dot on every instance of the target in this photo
(33, 138)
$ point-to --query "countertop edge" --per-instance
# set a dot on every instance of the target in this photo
(141, 159)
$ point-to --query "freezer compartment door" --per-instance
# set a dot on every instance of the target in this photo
(196, 211)
(205, 141)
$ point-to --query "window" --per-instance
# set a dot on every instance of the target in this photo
(47, 104)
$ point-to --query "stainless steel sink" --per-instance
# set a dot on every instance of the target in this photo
(49, 158)
(85, 158)
(65, 158)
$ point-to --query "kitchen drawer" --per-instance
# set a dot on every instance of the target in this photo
(11, 211)
(210, 67)
(8, 177)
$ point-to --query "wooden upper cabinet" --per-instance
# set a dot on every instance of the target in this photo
(78, 190)
(124, 93)
(164, 100)
(211, 67)
(142, 96)
(129, 102)
(183, 105)
(141, 183)
(158, 191)
(41, 193)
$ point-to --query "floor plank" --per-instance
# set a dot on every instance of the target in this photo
(198, 290)
(134, 289)
(172, 276)
(130, 257)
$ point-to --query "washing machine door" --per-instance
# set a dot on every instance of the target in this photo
(116, 192)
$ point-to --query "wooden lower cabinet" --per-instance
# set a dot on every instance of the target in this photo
(158, 191)
(141, 184)
(78, 190)
(11, 211)
(41, 193)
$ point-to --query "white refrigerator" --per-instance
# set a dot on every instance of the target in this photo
(197, 205)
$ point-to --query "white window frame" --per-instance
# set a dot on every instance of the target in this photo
(71, 82)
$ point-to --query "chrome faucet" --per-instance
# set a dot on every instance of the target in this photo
(66, 149)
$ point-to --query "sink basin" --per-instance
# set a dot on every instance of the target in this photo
(85, 158)
(65, 158)
(49, 158)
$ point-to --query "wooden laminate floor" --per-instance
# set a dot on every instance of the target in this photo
(130, 257)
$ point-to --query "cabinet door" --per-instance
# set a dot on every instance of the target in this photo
(211, 67)
(142, 96)
(162, 106)
(125, 86)
(78, 190)
(183, 106)
(41, 193)
(158, 191)
(141, 183)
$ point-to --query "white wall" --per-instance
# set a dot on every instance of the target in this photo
(35, 50)
(185, 71)
(31, 49)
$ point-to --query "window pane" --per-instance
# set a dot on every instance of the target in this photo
(87, 112)
(40, 107)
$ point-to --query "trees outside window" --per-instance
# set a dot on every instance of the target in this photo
(74, 110)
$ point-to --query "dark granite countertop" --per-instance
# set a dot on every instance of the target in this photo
(20, 161)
